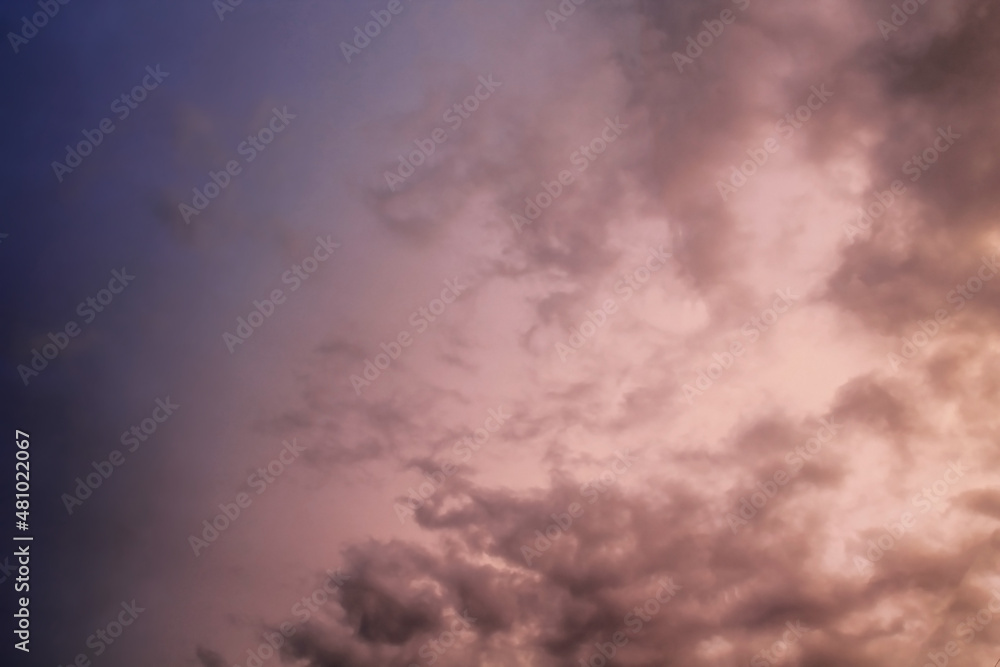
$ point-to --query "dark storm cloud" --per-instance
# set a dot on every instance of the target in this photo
(941, 85)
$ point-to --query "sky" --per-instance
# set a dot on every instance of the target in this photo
(515, 334)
